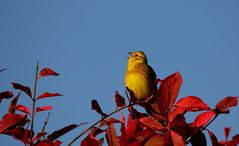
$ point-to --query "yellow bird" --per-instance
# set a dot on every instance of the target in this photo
(140, 78)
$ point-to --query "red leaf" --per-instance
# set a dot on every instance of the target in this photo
(45, 143)
(122, 130)
(192, 104)
(43, 108)
(151, 123)
(49, 143)
(111, 136)
(39, 135)
(58, 133)
(100, 141)
(202, 119)
(89, 141)
(177, 139)
(224, 104)
(120, 101)
(13, 103)
(11, 120)
(57, 143)
(226, 132)
(5, 95)
(96, 131)
(22, 108)
(26, 134)
(156, 140)
(222, 143)
(168, 92)
(140, 137)
(95, 106)
(213, 138)
(235, 140)
(199, 139)
(48, 72)
(176, 111)
(167, 139)
(134, 114)
(47, 94)
(131, 128)
(19, 133)
(180, 126)
(108, 121)
(25, 89)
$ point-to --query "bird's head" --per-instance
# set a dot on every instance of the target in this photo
(137, 57)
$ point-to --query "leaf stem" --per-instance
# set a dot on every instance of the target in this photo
(33, 103)
(97, 122)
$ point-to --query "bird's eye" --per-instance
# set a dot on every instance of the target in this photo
(136, 55)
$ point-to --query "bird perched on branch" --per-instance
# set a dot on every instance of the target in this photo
(140, 78)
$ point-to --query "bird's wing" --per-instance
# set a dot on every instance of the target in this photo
(150, 72)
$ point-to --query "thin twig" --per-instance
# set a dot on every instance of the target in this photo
(33, 102)
(45, 123)
(190, 139)
(87, 129)
(210, 122)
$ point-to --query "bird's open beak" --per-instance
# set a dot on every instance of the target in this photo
(129, 54)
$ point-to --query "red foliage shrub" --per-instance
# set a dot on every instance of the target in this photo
(162, 123)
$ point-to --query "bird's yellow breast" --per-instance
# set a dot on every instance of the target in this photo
(138, 81)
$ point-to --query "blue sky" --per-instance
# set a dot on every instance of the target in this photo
(87, 43)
